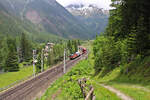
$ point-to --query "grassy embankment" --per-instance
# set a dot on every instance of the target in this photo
(11, 77)
(67, 88)
(134, 84)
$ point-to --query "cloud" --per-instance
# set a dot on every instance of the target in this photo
(100, 3)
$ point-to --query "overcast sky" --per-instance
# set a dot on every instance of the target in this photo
(100, 3)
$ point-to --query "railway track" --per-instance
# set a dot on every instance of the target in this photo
(35, 87)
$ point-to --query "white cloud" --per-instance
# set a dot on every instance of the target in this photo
(100, 3)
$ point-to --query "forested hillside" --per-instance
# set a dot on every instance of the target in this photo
(47, 17)
(126, 41)
(13, 26)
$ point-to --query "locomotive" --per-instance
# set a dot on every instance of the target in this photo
(80, 52)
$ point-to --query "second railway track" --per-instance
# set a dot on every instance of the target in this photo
(34, 87)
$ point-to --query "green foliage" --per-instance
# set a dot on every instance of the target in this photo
(38, 64)
(50, 59)
(11, 63)
(126, 36)
(67, 88)
(135, 92)
(11, 54)
(11, 77)
(12, 25)
(108, 53)
(72, 45)
(58, 52)
(134, 86)
(16, 21)
(26, 48)
(55, 54)
(68, 84)
(127, 23)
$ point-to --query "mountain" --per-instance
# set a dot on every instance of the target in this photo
(14, 26)
(47, 16)
(92, 16)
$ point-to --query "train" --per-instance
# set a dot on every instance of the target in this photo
(80, 52)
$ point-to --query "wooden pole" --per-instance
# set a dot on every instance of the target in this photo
(90, 94)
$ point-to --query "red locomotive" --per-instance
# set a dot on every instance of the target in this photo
(75, 55)
(81, 51)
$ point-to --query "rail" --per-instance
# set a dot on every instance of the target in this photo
(14, 83)
(29, 90)
(24, 79)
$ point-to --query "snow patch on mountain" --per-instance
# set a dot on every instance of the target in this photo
(86, 10)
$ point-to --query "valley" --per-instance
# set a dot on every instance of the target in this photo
(46, 17)
(74, 50)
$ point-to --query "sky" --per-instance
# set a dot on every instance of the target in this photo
(100, 3)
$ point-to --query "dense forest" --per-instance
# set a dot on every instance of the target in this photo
(126, 39)
(19, 50)
(14, 51)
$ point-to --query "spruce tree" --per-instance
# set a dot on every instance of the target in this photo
(75, 44)
(26, 48)
(143, 41)
(11, 63)
(50, 59)
(69, 45)
(132, 41)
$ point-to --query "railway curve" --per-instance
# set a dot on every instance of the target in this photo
(35, 87)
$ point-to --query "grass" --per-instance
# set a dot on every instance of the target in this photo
(135, 83)
(104, 94)
(67, 88)
(68, 84)
(11, 77)
(133, 88)
(134, 91)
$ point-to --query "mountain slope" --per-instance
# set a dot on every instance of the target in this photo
(48, 16)
(55, 19)
(93, 17)
(12, 25)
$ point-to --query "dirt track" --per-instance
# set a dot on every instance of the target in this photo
(35, 87)
(117, 92)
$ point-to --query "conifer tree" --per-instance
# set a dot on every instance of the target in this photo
(143, 41)
(11, 63)
(69, 45)
(50, 59)
(26, 48)
(75, 46)
(79, 43)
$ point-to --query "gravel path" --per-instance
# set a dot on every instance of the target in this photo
(117, 92)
